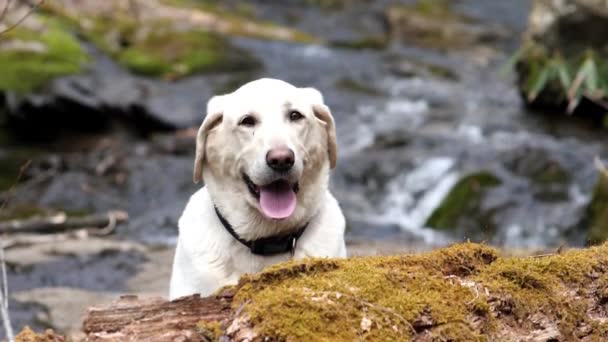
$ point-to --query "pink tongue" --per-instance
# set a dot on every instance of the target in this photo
(278, 201)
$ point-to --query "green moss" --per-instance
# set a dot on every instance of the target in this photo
(596, 217)
(56, 53)
(21, 212)
(156, 49)
(441, 72)
(553, 174)
(374, 43)
(463, 200)
(437, 9)
(435, 24)
(355, 86)
(211, 331)
(412, 67)
(10, 166)
(330, 5)
(171, 54)
(240, 21)
(327, 299)
(162, 46)
(436, 295)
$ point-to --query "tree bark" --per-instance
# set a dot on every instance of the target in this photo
(155, 319)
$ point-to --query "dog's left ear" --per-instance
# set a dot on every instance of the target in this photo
(215, 112)
(323, 114)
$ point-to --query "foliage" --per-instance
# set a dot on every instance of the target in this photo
(58, 54)
(567, 79)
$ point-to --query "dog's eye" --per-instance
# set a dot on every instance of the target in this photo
(294, 115)
(248, 121)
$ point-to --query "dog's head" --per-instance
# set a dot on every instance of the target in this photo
(269, 143)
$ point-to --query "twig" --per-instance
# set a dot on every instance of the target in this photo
(8, 329)
(558, 251)
(541, 255)
(114, 217)
(5, 10)
(12, 188)
(134, 9)
(61, 222)
(32, 10)
(468, 284)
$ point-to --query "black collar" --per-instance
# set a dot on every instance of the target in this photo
(272, 245)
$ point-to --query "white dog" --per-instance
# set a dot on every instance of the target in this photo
(264, 152)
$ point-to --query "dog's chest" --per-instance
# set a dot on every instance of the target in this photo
(246, 262)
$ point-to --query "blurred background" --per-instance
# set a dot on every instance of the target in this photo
(457, 120)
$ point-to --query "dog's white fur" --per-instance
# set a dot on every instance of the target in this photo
(207, 257)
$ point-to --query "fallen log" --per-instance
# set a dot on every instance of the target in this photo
(61, 222)
(156, 319)
(466, 292)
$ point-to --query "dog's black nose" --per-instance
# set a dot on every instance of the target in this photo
(280, 159)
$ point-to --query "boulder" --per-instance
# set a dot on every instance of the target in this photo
(596, 218)
(562, 62)
(437, 24)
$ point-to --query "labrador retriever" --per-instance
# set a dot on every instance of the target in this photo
(264, 152)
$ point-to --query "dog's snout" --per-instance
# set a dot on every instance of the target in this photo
(280, 159)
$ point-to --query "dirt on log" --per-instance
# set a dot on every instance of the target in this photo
(466, 292)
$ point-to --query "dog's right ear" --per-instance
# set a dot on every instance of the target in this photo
(215, 112)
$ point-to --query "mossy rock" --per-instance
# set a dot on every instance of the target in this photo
(435, 24)
(156, 49)
(170, 38)
(239, 20)
(596, 217)
(461, 208)
(30, 58)
(466, 292)
(372, 43)
(356, 86)
(330, 5)
(173, 55)
(561, 65)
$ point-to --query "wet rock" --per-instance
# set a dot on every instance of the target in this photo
(463, 208)
(436, 24)
(416, 68)
(163, 41)
(60, 308)
(152, 185)
(356, 86)
(596, 217)
(112, 270)
(569, 26)
(561, 64)
(548, 179)
(26, 253)
(107, 94)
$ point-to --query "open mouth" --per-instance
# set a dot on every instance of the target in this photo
(277, 199)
